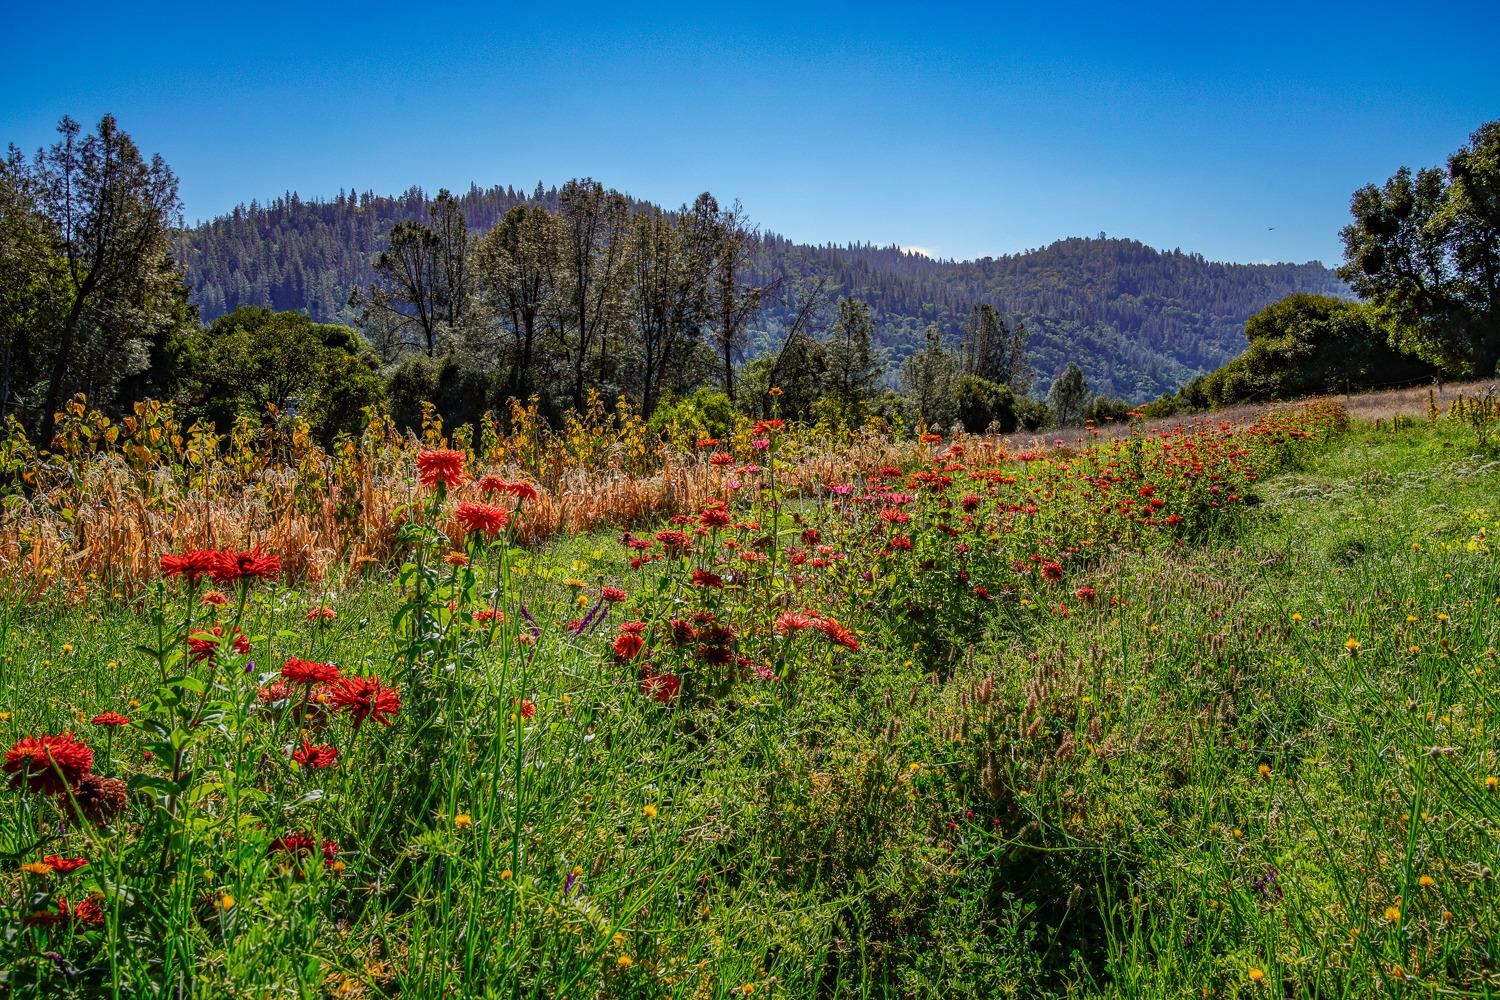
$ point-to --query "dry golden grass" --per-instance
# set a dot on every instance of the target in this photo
(98, 514)
(99, 518)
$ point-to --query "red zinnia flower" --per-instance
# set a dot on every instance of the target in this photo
(275, 691)
(1052, 571)
(839, 634)
(307, 672)
(528, 708)
(672, 540)
(64, 865)
(213, 599)
(628, 645)
(703, 578)
(1086, 594)
(482, 517)
(204, 645)
(88, 912)
(716, 655)
(520, 489)
(661, 687)
(110, 719)
(301, 844)
(251, 565)
(486, 616)
(613, 595)
(445, 466)
(365, 697)
(715, 515)
(314, 756)
(721, 458)
(49, 763)
(682, 631)
(789, 621)
(322, 614)
(194, 565)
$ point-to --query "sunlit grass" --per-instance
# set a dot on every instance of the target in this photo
(1188, 782)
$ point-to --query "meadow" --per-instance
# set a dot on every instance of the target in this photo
(1203, 709)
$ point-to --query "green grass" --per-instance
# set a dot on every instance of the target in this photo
(1075, 805)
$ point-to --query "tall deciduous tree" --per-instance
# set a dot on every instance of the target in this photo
(594, 249)
(108, 284)
(453, 269)
(519, 271)
(1425, 247)
(423, 285)
(734, 303)
(404, 299)
(667, 295)
(29, 269)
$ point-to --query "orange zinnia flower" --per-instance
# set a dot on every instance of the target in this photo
(483, 518)
(445, 466)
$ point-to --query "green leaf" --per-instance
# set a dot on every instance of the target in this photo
(192, 684)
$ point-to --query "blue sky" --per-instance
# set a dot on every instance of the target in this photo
(965, 130)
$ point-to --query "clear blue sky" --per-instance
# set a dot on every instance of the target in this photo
(964, 130)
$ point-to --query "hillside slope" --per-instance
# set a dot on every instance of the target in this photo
(1140, 321)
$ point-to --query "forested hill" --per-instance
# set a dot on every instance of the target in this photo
(1140, 322)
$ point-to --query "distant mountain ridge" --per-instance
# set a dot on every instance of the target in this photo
(1139, 321)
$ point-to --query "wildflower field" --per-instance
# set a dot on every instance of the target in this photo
(1208, 710)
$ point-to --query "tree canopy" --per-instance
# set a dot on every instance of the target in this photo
(1425, 248)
